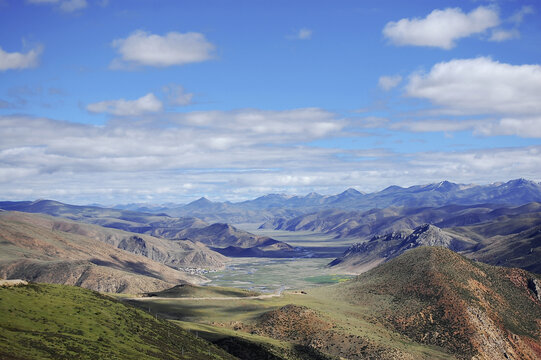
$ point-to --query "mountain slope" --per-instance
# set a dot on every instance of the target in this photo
(31, 248)
(437, 297)
(365, 224)
(361, 257)
(42, 321)
(176, 254)
(156, 225)
(509, 240)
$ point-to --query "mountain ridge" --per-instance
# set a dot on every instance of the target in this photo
(267, 207)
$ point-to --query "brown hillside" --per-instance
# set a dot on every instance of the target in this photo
(437, 297)
(32, 249)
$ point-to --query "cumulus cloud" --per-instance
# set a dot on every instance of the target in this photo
(145, 104)
(176, 95)
(518, 16)
(143, 48)
(441, 28)
(499, 35)
(17, 60)
(388, 82)
(480, 86)
(506, 97)
(63, 5)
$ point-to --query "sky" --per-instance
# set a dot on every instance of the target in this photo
(145, 101)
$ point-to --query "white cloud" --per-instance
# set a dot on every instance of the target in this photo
(518, 16)
(370, 122)
(16, 60)
(142, 48)
(126, 161)
(304, 34)
(480, 86)
(435, 125)
(388, 82)
(528, 127)
(441, 28)
(72, 5)
(63, 5)
(309, 122)
(499, 98)
(499, 35)
(176, 95)
(145, 104)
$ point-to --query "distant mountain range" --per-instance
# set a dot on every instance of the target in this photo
(264, 208)
(221, 237)
(365, 224)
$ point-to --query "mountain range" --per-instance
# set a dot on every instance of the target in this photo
(264, 208)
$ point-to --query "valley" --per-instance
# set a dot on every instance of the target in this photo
(425, 282)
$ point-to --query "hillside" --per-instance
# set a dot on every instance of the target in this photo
(361, 257)
(428, 303)
(34, 247)
(157, 225)
(195, 291)
(42, 321)
(176, 254)
(513, 239)
(436, 297)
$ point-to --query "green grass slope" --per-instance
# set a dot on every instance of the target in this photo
(40, 321)
(195, 291)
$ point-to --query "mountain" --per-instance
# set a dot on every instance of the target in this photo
(361, 257)
(366, 224)
(43, 321)
(162, 226)
(43, 249)
(265, 208)
(513, 239)
(438, 298)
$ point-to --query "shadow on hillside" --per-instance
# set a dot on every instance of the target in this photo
(131, 266)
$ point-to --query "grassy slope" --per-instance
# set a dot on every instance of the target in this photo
(40, 321)
(354, 335)
(194, 291)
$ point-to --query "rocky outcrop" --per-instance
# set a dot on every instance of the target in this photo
(380, 248)
(535, 286)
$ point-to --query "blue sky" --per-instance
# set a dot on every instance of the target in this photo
(166, 101)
